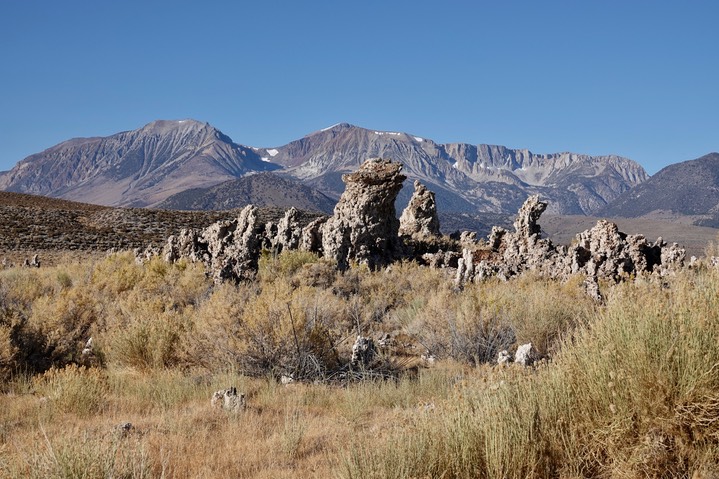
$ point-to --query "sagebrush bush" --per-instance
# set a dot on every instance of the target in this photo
(273, 267)
(147, 341)
(475, 324)
(8, 351)
(60, 325)
(631, 394)
(277, 334)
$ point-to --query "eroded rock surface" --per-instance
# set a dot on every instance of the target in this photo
(230, 249)
(419, 218)
(234, 246)
(364, 227)
(602, 252)
(289, 232)
(526, 355)
(363, 352)
(229, 400)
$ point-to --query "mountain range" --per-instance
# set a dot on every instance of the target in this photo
(466, 178)
(190, 165)
(145, 167)
(686, 191)
(135, 168)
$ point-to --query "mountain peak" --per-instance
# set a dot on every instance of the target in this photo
(336, 127)
(135, 168)
(165, 126)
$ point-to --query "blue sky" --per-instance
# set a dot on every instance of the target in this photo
(634, 78)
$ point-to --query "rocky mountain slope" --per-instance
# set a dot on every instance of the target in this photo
(686, 191)
(466, 178)
(144, 167)
(32, 224)
(134, 168)
(261, 189)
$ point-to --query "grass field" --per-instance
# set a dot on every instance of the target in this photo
(626, 389)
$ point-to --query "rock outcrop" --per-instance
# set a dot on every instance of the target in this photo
(363, 352)
(230, 249)
(289, 232)
(419, 218)
(526, 355)
(228, 400)
(602, 252)
(312, 236)
(364, 227)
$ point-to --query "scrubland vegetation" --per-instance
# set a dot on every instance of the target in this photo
(627, 389)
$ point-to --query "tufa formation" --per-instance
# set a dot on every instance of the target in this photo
(364, 229)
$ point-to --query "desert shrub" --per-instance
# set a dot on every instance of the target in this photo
(213, 341)
(148, 340)
(540, 310)
(180, 284)
(318, 274)
(137, 311)
(21, 287)
(274, 329)
(8, 352)
(372, 297)
(633, 394)
(117, 273)
(475, 324)
(349, 282)
(273, 267)
(459, 326)
(277, 335)
(64, 279)
(57, 328)
(74, 389)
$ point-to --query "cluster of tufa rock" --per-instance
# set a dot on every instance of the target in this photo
(364, 229)
(602, 252)
(27, 263)
(420, 219)
(228, 400)
(526, 355)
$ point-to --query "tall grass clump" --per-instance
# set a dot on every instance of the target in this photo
(81, 456)
(474, 325)
(78, 390)
(634, 393)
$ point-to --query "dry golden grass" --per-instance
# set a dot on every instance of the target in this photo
(287, 431)
(634, 393)
(630, 388)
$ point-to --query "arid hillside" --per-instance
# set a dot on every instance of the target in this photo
(52, 227)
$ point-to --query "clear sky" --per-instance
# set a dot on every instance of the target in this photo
(634, 78)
